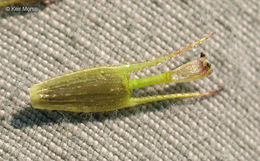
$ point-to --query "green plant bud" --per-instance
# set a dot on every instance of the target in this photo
(109, 88)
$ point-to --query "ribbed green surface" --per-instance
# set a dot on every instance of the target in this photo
(76, 34)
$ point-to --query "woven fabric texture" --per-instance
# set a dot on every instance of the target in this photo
(68, 35)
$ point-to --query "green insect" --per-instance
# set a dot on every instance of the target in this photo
(109, 88)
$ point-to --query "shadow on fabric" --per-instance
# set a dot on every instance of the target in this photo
(29, 117)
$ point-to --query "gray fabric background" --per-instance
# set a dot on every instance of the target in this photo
(70, 35)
